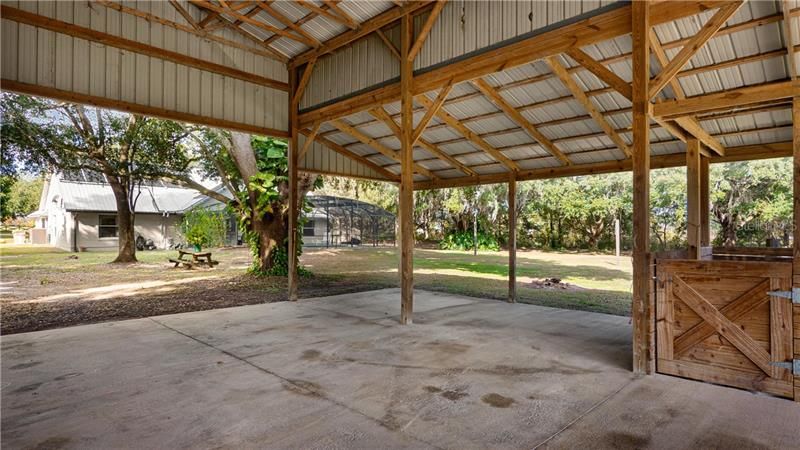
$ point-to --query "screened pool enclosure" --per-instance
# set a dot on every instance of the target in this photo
(337, 221)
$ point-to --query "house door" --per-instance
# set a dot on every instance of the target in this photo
(717, 322)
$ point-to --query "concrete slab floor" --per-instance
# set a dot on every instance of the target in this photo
(340, 372)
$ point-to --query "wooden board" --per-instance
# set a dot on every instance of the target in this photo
(716, 322)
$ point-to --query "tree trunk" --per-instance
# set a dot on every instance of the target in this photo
(125, 224)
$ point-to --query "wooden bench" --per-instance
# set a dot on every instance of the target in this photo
(198, 259)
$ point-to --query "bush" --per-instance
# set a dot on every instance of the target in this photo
(464, 241)
(204, 228)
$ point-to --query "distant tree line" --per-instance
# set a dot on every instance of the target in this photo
(751, 203)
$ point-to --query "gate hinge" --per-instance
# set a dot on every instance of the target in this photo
(793, 295)
(793, 365)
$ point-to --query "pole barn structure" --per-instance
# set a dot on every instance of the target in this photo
(434, 94)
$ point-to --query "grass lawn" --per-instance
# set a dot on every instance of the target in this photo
(45, 288)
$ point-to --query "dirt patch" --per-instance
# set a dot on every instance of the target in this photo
(303, 387)
(454, 394)
(497, 400)
(310, 355)
(24, 315)
(553, 284)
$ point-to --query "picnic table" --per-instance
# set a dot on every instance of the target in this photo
(197, 259)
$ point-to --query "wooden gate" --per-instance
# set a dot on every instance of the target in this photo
(716, 322)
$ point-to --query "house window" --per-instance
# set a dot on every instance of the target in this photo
(308, 228)
(107, 227)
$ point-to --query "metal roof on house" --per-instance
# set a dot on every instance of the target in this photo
(152, 198)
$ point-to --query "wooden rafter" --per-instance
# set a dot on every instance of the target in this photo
(373, 143)
(301, 85)
(256, 23)
(608, 25)
(579, 95)
(470, 135)
(383, 116)
(345, 17)
(309, 140)
(375, 23)
(426, 119)
(185, 14)
(325, 12)
(388, 43)
(726, 100)
(280, 17)
(426, 29)
(188, 29)
(601, 72)
(689, 124)
(357, 158)
(744, 153)
(130, 107)
(91, 35)
(693, 46)
(495, 97)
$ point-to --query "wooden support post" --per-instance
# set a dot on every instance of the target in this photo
(693, 198)
(705, 202)
(640, 310)
(294, 204)
(512, 238)
(406, 206)
(796, 237)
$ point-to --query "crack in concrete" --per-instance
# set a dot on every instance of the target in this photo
(295, 384)
(585, 413)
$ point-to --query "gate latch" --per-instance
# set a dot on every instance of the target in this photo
(793, 295)
(793, 365)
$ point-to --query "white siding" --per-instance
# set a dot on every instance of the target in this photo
(55, 60)
(150, 226)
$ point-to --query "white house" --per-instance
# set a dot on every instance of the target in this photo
(77, 212)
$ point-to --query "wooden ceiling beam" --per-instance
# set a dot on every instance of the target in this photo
(344, 16)
(470, 135)
(583, 99)
(188, 29)
(280, 17)
(364, 29)
(601, 72)
(383, 116)
(426, 29)
(693, 46)
(725, 100)
(309, 140)
(744, 153)
(256, 23)
(388, 43)
(603, 26)
(20, 16)
(301, 85)
(517, 117)
(185, 14)
(435, 107)
(689, 124)
(357, 158)
(373, 143)
(135, 108)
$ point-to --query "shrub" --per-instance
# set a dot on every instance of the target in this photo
(463, 240)
(204, 228)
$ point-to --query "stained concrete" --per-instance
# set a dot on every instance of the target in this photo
(340, 372)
